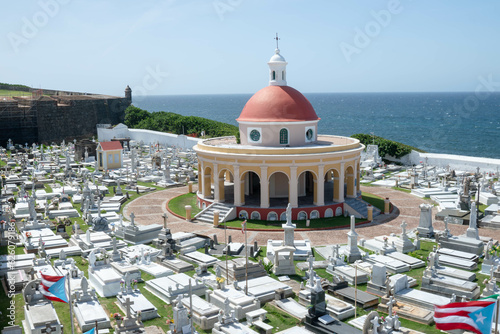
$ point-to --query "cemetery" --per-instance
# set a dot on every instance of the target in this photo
(134, 272)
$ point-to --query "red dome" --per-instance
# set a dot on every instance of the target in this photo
(278, 104)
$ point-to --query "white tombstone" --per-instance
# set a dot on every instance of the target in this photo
(472, 231)
(425, 225)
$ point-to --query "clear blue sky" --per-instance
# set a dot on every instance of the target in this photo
(222, 46)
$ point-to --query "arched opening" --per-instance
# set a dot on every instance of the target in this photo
(284, 136)
(272, 216)
(350, 189)
(332, 187)
(226, 186)
(306, 188)
(207, 183)
(283, 75)
(274, 75)
(278, 189)
(250, 191)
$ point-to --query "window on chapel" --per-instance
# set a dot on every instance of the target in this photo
(284, 136)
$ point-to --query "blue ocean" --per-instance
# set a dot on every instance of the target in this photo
(453, 123)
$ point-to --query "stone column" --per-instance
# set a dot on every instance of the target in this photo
(201, 175)
(188, 212)
(355, 181)
(190, 186)
(237, 186)
(358, 177)
(387, 206)
(293, 188)
(370, 213)
(341, 182)
(264, 188)
(217, 189)
(319, 188)
(216, 218)
(222, 195)
(207, 185)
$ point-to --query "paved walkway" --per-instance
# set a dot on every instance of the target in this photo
(149, 208)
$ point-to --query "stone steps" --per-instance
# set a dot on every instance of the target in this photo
(361, 207)
(207, 215)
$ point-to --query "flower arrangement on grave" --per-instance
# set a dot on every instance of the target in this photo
(220, 280)
(28, 236)
(169, 321)
(134, 282)
(122, 283)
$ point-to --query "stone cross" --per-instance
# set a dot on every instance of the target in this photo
(164, 220)
(128, 303)
(132, 216)
(311, 261)
(375, 324)
(389, 304)
(335, 251)
(403, 227)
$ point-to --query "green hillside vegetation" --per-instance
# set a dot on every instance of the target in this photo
(174, 123)
(386, 146)
(14, 90)
(15, 87)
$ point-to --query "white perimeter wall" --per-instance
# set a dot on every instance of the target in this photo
(456, 162)
(147, 136)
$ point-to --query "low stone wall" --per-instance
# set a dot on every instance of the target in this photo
(456, 162)
(147, 136)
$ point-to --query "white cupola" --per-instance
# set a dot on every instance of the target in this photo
(277, 68)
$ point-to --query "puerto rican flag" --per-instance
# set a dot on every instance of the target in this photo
(475, 316)
(243, 226)
(54, 288)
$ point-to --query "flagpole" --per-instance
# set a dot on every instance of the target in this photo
(246, 263)
(496, 322)
(191, 305)
(356, 290)
(227, 250)
(70, 305)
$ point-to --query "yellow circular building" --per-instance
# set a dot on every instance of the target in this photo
(279, 159)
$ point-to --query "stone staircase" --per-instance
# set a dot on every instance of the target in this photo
(359, 208)
(226, 212)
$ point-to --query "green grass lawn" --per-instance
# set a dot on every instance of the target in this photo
(315, 223)
(177, 204)
(374, 200)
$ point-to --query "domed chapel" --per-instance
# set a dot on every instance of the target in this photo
(280, 158)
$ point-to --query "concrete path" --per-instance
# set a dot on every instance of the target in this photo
(149, 208)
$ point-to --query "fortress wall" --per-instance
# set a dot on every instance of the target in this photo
(78, 118)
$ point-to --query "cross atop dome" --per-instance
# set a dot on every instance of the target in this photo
(277, 67)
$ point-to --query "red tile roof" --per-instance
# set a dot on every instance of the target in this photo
(111, 145)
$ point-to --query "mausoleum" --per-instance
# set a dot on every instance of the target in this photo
(279, 158)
